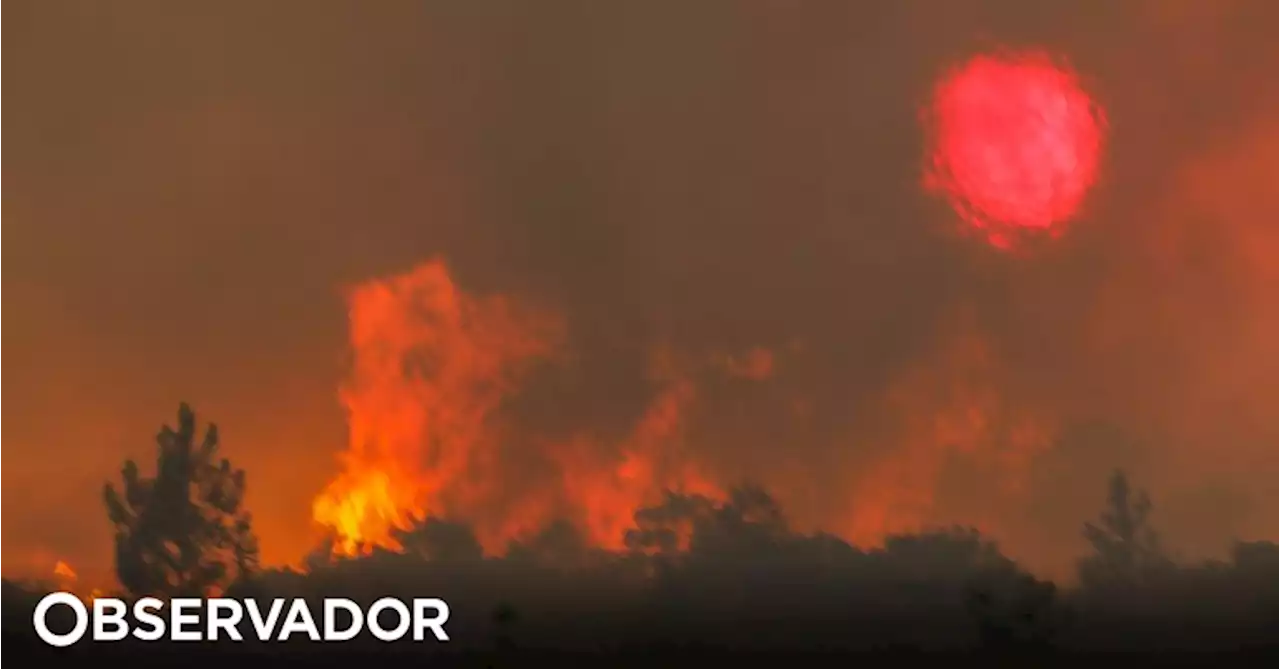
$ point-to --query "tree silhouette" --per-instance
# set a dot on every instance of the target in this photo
(440, 540)
(1126, 548)
(183, 532)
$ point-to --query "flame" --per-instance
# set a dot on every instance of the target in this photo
(430, 366)
(433, 366)
(67, 580)
(64, 572)
(949, 406)
(650, 462)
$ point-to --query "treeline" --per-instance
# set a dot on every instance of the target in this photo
(745, 580)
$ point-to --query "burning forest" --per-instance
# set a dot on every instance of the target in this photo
(878, 312)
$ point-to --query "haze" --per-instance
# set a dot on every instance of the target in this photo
(190, 190)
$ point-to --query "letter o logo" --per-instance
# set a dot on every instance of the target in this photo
(42, 628)
(375, 627)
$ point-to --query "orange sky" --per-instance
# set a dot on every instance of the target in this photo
(189, 197)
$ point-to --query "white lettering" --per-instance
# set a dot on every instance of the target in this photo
(331, 607)
(42, 626)
(255, 616)
(222, 618)
(227, 624)
(435, 623)
(375, 626)
(109, 611)
(178, 617)
(299, 620)
(142, 610)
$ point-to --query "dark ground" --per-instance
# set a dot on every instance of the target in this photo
(747, 588)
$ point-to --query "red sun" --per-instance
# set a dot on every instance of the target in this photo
(1015, 145)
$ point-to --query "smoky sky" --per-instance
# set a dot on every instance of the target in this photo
(190, 187)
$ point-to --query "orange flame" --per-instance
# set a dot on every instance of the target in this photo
(430, 366)
(650, 462)
(64, 572)
(946, 407)
(433, 366)
(67, 580)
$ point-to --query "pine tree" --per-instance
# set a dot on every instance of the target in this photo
(1126, 548)
(183, 532)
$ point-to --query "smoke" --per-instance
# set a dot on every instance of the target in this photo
(742, 203)
(752, 291)
(433, 366)
(950, 417)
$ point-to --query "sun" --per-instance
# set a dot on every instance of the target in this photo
(1015, 144)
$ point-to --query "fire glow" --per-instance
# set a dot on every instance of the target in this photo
(433, 367)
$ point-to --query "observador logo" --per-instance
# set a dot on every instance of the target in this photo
(219, 618)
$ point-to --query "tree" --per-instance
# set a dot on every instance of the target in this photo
(183, 532)
(1126, 548)
(440, 540)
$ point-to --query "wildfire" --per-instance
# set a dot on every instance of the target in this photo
(430, 365)
(433, 367)
(363, 513)
(65, 579)
(650, 461)
(948, 406)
